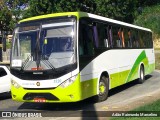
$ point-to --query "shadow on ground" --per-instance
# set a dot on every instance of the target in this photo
(126, 86)
(85, 108)
(4, 96)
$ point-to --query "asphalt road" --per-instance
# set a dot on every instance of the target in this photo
(121, 95)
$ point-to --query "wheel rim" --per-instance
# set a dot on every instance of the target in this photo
(102, 88)
(142, 74)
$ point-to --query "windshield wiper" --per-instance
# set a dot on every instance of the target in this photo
(25, 62)
(47, 62)
(38, 55)
(37, 48)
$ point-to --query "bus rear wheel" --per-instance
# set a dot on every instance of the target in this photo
(141, 75)
(103, 89)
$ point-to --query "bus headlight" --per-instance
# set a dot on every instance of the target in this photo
(15, 84)
(68, 82)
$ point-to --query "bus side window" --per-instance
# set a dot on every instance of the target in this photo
(89, 42)
(116, 39)
(123, 38)
(106, 38)
(103, 36)
(135, 39)
(130, 38)
(146, 39)
(95, 35)
(150, 40)
(110, 36)
(120, 41)
(141, 39)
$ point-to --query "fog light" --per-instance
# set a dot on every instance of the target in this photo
(14, 96)
(71, 96)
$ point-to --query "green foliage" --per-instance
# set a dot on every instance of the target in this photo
(52, 6)
(5, 16)
(117, 9)
(11, 11)
(145, 3)
(49, 6)
(150, 18)
(155, 106)
(123, 10)
(8, 45)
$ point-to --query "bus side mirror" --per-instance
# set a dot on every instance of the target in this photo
(4, 44)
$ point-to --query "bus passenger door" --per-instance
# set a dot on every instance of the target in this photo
(86, 45)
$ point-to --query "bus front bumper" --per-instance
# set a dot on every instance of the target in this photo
(71, 93)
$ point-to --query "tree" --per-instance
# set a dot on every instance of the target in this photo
(16, 8)
(10, 13)
(117, 9)
(5, 17)
(145, 3)
(40, 7)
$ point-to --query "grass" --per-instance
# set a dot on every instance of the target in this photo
(150, 18)
(151, 108)
(157, 58)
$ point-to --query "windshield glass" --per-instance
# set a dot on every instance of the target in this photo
(45, 46)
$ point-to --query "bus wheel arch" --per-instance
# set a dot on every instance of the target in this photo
(141, 78)
(103, 87)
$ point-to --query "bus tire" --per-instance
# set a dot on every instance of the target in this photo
(103, 89)
(141, 75)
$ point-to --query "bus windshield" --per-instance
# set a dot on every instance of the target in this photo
(44, 45)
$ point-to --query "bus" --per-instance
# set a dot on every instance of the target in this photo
(71, 56)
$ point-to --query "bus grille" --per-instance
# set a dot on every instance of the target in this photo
(40, 88)
(47, 96)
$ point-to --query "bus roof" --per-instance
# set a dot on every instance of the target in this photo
(116, 22)
(84, 14)
(78, 14)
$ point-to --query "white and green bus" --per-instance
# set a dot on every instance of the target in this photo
(68, 57)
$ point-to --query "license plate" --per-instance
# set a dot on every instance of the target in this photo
(39, 100)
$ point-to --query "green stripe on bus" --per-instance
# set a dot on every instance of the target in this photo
(141, 58)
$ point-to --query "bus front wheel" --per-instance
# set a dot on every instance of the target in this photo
(103, 89)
